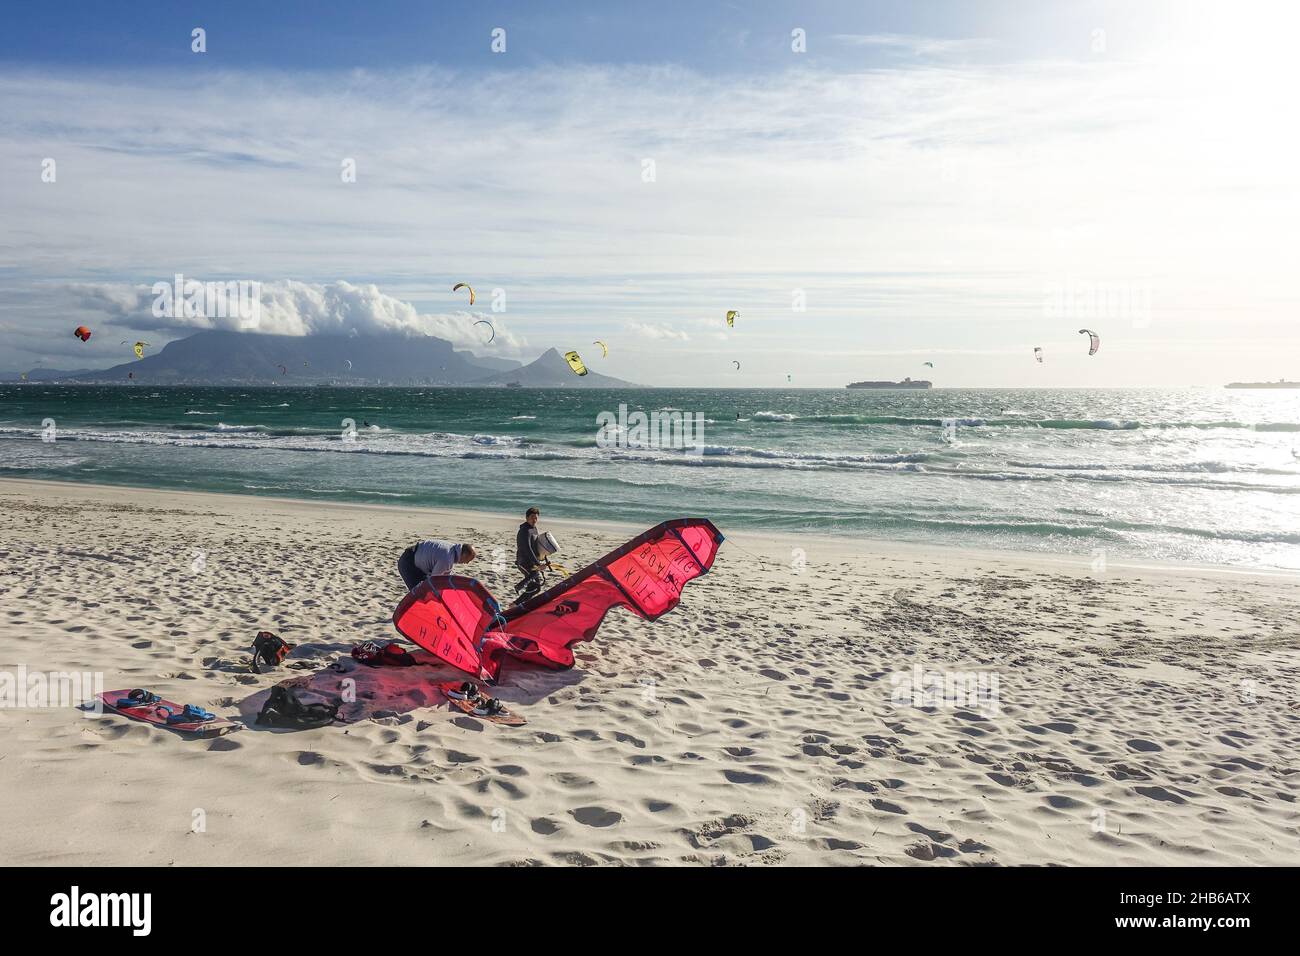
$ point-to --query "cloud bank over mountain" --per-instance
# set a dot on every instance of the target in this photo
(293, 308)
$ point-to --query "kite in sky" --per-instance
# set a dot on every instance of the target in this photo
(464, 285)
(575, 363)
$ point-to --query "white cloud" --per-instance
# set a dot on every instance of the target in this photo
(657, 332)
(299, 308)
(913, 45)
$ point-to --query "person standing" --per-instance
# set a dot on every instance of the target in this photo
(527, 559)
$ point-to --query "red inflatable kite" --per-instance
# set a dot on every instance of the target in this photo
(460, 621)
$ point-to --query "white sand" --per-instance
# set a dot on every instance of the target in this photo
(753, 725)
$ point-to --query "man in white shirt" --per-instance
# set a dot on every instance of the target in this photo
(432, 557)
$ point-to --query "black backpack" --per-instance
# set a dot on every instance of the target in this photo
(269, 649)
(283, 709)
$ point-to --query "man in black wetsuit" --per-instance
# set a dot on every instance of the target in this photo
(526, 557)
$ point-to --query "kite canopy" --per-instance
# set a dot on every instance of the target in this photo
(464, 285)
(575, 363)
(604, 349)
(1094, 342)
(460, 621)
(82, 333)
(731, 318)
(492, 329)
(1038, 353)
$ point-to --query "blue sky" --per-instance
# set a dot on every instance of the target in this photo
(953, 182)
(718, 38)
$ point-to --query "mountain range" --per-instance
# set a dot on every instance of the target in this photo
(240, 358)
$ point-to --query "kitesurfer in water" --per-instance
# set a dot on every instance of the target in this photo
(527, 559)
(432, 557)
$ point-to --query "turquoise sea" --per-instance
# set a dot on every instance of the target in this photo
(1200, 475)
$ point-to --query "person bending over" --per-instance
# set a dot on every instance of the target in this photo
(432, 557)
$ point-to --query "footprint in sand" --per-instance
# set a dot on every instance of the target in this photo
(1160, 793)
(833, 844)
(929, 851)
(936, 836)
(1146, 746)
(886, 807)
(1059, 802)
(573, 781)
(736, 776)
(596, 816)
(1235, 792)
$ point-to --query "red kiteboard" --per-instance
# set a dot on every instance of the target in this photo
(157, 712)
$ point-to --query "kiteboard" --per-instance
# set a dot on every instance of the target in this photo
(479, 705)
(158, 711)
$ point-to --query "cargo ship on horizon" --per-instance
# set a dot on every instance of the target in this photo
(905, 383)
(1280, 383)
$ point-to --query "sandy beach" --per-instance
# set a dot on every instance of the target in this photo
(1126, 716)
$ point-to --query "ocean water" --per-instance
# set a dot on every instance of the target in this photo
(1199, 475)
